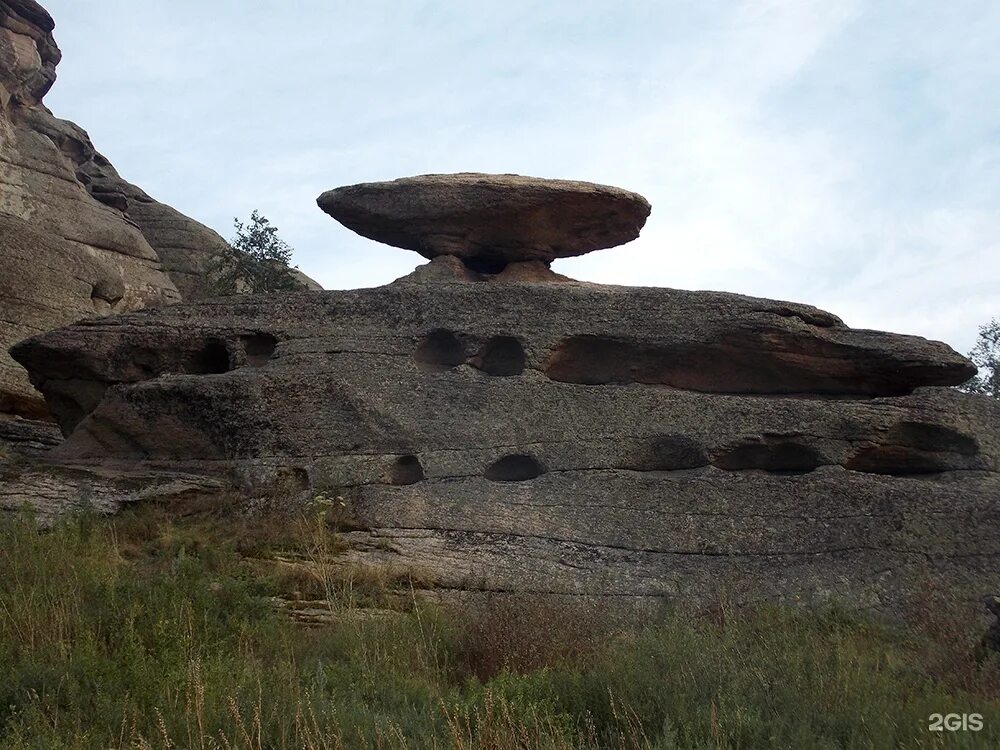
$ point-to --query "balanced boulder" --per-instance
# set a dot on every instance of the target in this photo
(490, 220)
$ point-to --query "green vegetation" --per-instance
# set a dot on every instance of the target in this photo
(986, 356)
(158, 630)
(258, 261)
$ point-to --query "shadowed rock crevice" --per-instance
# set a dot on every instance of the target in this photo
(258, 348)
(70, 400)
(211, 359)
(746, 361)
(486, 265)
(501, 356)
(514, 468)
(450, 269)
(108, 291)
(439, 350)
(772, 453)
(916, 448)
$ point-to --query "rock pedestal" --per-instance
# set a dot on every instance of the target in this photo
(492, 223)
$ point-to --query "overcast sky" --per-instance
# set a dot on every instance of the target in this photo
(843, 154)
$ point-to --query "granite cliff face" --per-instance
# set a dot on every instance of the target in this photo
(77, 240)
(516, 431)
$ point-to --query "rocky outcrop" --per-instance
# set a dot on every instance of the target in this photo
(28, 53)
(57, 239)
(563, 438)
(490, 220)
(571, 333)
(76, 238)
(52, 489)
(28, 438)
(45, 281)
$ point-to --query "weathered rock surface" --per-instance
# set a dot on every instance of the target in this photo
(991, 639)
(54, 489)
(32, 479)
(489, 220)
(74, 233)
(564, 438)
(45, 282)
(28, 54)
(445, 268)
(28, 438)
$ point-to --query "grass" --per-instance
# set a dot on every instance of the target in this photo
(156, 630)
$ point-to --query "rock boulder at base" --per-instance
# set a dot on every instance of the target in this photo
(489, 220)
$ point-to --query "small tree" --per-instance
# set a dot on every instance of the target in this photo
(986, 356)
(257, 262)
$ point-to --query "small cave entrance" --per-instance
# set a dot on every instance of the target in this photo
(211, 359)
(439, 350)
(514, 468)
(779, 455)
(502, 356)
(259, 348)
(406, 470)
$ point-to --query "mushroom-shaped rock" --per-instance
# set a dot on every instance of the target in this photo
(489, 220)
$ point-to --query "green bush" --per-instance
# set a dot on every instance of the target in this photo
(257, 261)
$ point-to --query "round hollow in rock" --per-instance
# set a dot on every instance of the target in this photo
(211, 359)
(514, 468)
(502, 356)
(916, 448)
(406, 470)
(259, 348)
(777, 455)
(439, 350)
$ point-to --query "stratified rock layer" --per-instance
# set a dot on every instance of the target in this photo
(489, 220)
(564, 438)
(45, 282)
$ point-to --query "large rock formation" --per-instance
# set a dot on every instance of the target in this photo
(76, 238)
(489, 220)
(562, 438)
